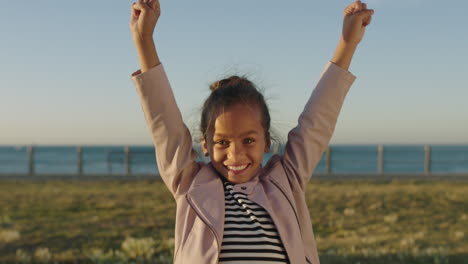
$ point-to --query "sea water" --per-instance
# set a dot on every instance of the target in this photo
(344, 159)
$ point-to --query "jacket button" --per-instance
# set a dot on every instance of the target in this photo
(244, 188)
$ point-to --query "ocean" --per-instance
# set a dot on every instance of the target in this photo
(107, 160)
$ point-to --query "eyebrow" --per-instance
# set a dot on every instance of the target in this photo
(241, 135)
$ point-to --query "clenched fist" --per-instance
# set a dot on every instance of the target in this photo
(356, 18)
(145, 14)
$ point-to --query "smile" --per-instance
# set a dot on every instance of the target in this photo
(238, 169)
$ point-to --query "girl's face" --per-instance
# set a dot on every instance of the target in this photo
(237, 143)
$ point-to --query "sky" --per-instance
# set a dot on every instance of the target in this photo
(66, 65)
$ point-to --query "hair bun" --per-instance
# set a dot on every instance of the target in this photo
(231, 81)
(215, 86)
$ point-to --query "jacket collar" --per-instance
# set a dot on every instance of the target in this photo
(246, 187)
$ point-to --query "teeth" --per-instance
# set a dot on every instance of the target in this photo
(237, 168)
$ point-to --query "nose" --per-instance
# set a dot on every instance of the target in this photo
(235, 152)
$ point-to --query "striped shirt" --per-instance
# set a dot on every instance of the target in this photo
(250, 236)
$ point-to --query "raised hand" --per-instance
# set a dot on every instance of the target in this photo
(145, 14)
(356, 18)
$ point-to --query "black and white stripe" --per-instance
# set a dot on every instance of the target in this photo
(250, 236)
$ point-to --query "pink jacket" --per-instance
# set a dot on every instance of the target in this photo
(279, 187)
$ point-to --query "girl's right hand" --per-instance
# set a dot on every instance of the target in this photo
(145, 14)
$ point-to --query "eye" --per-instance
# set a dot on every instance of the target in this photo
(222, 142)
(249, 141)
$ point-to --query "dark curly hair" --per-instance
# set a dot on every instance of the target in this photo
(231, 91)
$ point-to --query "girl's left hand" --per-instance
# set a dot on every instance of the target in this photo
(356, 18)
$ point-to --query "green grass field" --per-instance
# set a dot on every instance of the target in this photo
(133, 221)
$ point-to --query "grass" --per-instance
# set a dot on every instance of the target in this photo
(133, 222)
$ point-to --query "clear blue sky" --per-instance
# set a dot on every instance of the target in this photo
(65, 67)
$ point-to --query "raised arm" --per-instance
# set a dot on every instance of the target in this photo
(308, 141)
(172, 140)
(145, 15)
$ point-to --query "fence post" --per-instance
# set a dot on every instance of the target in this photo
(79, 155)
(31, 160)
(328, 160)
(127, 161)
(427, 159)
(109, 162)
(381, 159)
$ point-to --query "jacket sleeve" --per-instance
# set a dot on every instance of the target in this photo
(175, 156)
(309, 139)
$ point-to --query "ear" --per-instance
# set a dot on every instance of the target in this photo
(267, 145)
(204, 147)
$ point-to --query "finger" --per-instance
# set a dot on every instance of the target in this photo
(362, 6)
(136, 10)
(358, 5)
(132, 12)
(150, 3)
(367, 22)
(136, 7)
(141, 6)
(155, 5)
(142, 3)
(349, 9)
(353, 8)
(366, 13)
(366, 16)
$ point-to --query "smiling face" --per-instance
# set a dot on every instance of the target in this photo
(237, 142)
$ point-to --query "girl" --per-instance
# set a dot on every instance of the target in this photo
(232, 210)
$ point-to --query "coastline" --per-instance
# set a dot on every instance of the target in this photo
(387, 177)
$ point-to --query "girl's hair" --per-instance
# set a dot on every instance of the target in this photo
(231, 91)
